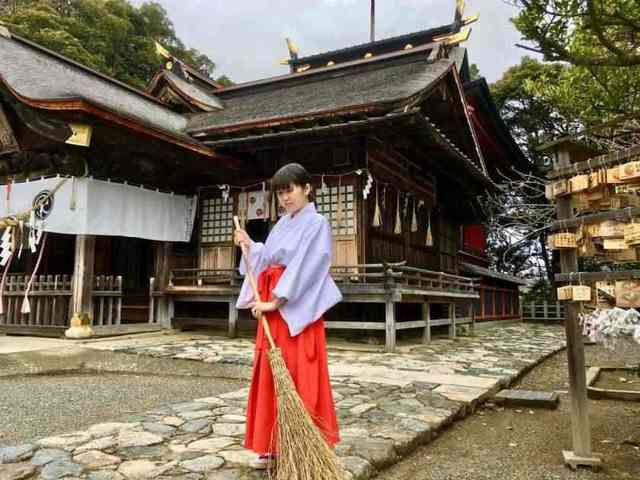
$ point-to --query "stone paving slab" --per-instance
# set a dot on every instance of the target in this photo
(381, 421)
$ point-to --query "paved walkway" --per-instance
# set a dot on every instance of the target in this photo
(387, 405)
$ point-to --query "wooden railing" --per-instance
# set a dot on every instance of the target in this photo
(543, 312)
(107, 300)
(384, 274)
(196, 277)
(50, 299)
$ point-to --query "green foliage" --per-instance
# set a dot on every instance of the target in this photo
(527, 111)
(540, 292)
(474, 72)
(110, 36)
(224, 81)
(583, 32)
(600, 40)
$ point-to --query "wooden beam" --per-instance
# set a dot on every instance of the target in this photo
(590, 277)
(601, 161)
(621, 215)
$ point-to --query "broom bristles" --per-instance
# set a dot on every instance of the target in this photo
(302, 451)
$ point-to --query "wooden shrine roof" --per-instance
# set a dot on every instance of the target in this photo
(378, 84)
(378, 47)
(202, 98)
(44, 79)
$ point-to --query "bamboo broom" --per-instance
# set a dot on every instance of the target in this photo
(303, 453)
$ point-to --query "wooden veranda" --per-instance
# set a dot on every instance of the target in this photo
(388, 284)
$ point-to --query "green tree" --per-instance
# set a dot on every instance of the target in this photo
(583, 32)
(530, 115)
(600, 41)
(111, 36)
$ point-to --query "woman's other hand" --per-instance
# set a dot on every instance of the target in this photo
(241, 239)
(260, 308)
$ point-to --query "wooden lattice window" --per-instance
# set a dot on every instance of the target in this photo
(327, 205)
(217, 220)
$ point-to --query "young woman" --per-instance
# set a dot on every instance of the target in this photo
(295, 291)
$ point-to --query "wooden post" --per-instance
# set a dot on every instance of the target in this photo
(452, 317)
(390, 324)
(580, 426)
(546, 311)
(426, 316)
(472, 314)
(82, 287)
(233, 320)
(162, 256)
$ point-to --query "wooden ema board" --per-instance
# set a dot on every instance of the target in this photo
(627, 293)
(576, 293)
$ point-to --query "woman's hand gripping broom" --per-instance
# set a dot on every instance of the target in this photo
(302, 452)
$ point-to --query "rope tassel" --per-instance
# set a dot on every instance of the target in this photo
(414, 219)
(429, 242)
(398, 228)
(377, 214)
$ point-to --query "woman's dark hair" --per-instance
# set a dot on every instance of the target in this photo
(291, 174)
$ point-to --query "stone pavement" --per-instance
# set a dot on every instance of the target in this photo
(388, 404)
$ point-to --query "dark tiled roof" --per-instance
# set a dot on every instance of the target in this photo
(40, 75)
(379, 46)
(372, 83)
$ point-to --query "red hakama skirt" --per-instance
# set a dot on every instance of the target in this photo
(306, 358)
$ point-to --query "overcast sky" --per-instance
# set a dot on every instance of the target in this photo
(246, 37)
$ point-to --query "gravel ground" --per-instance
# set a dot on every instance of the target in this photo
(510, 444)
(51, 392)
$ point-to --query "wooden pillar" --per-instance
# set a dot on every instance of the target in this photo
(390, 326)
(452, 318)
(426, 316)
(82, 287)
(162, 258)
(233, 320)
(472, 314)
(580, 425)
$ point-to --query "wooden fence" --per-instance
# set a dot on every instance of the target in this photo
(543, 312)
(107, 300)
(50, 301)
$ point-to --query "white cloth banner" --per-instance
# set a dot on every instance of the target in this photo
(84, 206)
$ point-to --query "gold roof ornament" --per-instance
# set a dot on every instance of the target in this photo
(368, 55)
(163, 52)
(408, 46)
(455, 38)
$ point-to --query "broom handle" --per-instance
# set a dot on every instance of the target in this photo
(254, 286)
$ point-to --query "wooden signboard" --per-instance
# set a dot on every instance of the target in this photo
(8, 142)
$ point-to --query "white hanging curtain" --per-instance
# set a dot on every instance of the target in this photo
(94, 207)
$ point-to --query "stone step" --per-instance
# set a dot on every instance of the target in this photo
(527, 398)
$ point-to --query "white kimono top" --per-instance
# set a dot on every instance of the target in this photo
(303, 244)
